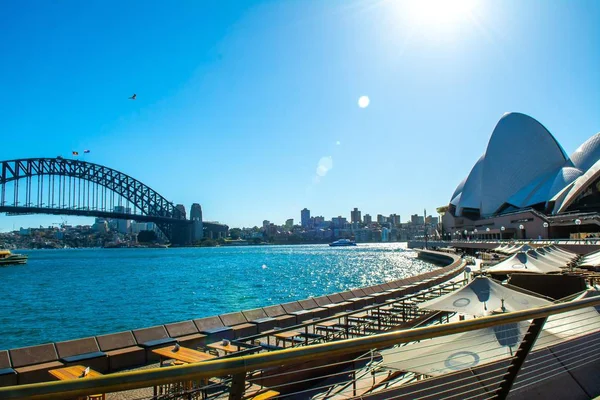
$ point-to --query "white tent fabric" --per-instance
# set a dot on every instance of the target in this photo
(564, 252)
(553, 256)
(453, 353)
(517, 249)
(522, 262)
(481, 296)
(572, 324)
(547, 260)
(590, 260)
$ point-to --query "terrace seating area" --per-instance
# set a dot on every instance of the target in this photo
(130, 349)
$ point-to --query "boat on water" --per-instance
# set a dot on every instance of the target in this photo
(8, 258)
(343, 242)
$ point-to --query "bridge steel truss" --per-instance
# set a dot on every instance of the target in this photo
(73, 187)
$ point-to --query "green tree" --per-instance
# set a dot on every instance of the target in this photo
(235, 233)
(146, 236)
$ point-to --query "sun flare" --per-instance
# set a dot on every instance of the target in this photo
(440, 12)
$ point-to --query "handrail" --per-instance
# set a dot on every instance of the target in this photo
(157, 376)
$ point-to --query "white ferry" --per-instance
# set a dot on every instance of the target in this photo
(343, 242)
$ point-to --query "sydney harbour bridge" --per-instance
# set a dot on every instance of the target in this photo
(72, 187)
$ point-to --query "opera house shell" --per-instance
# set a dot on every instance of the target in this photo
(524, 167)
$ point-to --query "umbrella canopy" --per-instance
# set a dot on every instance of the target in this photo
(482, 295)
(590, 260)
(545, 259)
(453, 353)
(516, 249)
(522, 262)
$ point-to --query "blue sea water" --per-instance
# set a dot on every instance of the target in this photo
(75, 293)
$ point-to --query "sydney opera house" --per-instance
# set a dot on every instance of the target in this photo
(526, 186)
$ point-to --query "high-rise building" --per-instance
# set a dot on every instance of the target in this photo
(305, 218)
(381, 219)
(367, 219)
(355, 215)
(394, 219)
(289, 223)
(416, 219)
(122, 225)
(318, 221)
(339, 222)
(266, 224)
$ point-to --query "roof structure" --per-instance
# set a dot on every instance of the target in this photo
(481, 296)
(523, 262)
(524, 166)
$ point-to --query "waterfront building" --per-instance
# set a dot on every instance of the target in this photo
(266, 224)
(319, 222)
(394, 219)
(289, 223)
(121, 225)
(215, 230)
(355, 215)
(525, 186)
(339, 222)
(367, 219)
(381, 219)
(100, 226)
(385, 235)
(417, 219)
(305, 218)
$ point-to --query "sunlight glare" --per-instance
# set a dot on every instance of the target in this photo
(363, 101)
(440, 12)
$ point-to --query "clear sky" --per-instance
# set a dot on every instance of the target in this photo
(237, 102)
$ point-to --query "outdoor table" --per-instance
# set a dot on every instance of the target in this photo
(73, 372)
(184, 354)
(230, 348)
(285, 337)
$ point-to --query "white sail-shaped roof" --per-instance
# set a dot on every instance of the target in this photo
(481, 296)
(520, 150)
(521, 262)
(587, 154)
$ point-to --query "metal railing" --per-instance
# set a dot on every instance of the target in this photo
(305, 369)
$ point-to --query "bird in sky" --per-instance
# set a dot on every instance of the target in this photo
(133, 97)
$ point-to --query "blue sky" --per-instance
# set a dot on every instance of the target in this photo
(238, 101)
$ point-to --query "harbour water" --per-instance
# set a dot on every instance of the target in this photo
(74, 293)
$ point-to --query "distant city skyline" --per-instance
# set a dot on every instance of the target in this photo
(252, 110)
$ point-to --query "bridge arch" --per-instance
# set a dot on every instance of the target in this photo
(74, 187)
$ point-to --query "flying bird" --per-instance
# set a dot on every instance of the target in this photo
(133, 97)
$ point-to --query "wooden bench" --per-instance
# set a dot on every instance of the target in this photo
(240, 325)
(33, 363)
(214, 329)
(186, 334)
(122, 350)
(83, 351)
(149, 338)
(8, 376)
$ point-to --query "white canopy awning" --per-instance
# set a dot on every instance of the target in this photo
(481, 296)
(522, 262)
(453, 353)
